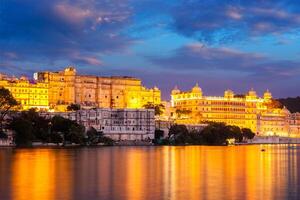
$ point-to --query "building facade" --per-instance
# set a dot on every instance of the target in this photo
(66, 87)
(294, 121)
(56, 90)
(28, 94)
(245, 111)
(118, 124)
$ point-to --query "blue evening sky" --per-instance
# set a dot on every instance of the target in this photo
(225, 44)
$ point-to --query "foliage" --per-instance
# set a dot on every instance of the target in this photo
(3, 135)
(23, 131)
(40, 125)
(29, 126)
(213, 134)
(158, 133)
(73, 107)
(92, 135)
(158, 136)
(55, 137)
(106, 140)
(247, 133)
(70, 130)
(95, 137)
(7, 102)
(158, 108)
(291, 103)
(178, 134)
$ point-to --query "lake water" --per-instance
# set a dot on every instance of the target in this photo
(138, 173)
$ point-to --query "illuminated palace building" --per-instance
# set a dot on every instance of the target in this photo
(29, 94)
(261, 115)
(56, 90)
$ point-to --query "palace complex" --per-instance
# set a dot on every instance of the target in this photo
(56, 90)
(261, 115)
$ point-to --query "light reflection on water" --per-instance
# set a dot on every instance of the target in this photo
(137, 173)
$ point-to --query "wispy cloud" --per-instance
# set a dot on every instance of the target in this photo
(198, 57)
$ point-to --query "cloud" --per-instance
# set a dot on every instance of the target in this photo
(200, 58)
(226, 21)
(57, 30)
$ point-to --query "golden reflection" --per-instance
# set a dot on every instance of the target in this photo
(37, 174)
(137, 173)
(33, 176)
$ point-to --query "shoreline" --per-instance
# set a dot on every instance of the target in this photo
(132, 145)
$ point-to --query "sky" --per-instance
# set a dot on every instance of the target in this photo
(229, 44)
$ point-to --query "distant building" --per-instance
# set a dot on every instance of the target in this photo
(56, 90)
(245, 111)
(294, 125)
(29, 94)
(118, 124)
(66, 87)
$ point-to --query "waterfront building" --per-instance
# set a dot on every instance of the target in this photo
(28, 94)
(56, 90)
(118, 124)
(66, 87)
(294, 125)
(246, 111)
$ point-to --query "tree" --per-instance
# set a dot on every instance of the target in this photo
(158, 134)
(55, 138)
(23, 131)
(158, 108)
(71, 131)
(179, 134)
(93, 136)
(40, 125)
(73, 107)
(247, 133)
(233, 132)
(215, 134)
(7, 102)
(3, 135)
(75, 134)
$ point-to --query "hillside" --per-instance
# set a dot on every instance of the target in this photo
(291, 103)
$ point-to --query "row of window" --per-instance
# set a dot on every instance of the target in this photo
(28, 91)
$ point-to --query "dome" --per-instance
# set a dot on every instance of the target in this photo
(196, 89)
(70, 70)
(228, 94)
(175, 90)
(252, 93)
(267, 95)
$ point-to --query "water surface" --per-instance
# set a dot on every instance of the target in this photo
(138, 173)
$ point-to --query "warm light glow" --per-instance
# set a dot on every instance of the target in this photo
(248, 111)
(56, 90)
